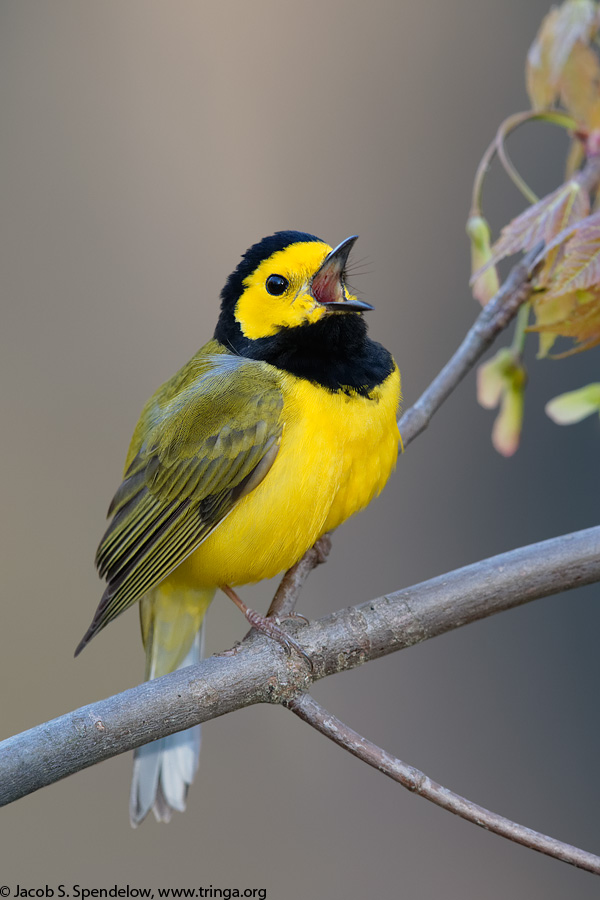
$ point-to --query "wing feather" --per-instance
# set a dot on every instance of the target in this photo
(205, 439)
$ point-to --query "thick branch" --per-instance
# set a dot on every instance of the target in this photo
(311, 712)
(260, 672)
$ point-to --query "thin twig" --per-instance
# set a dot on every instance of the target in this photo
(291, 584)
(257, 672)
(311, 712)
(589, 176)
(493, 318)
(552, 116)
(260, 672)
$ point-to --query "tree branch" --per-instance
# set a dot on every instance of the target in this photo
(492, 319)
(292, 582)
(307, 709)
(260, 672)
(256, 671)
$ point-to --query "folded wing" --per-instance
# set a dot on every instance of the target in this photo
(206, 439)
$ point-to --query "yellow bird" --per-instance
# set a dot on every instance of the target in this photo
(275, 432)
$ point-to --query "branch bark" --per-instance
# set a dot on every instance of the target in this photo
(256, 671)
(260, 672)
(311, 712)
(291, 584)
(492, 319)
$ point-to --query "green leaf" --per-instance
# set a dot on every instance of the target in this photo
(566, 409)
(506, 432)
(493, 377)
(501, 381)
(487, 284)
(580, 321)
(548, 311)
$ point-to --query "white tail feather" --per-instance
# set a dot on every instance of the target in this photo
(164, 769)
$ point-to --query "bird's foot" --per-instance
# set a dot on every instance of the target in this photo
(273, 630)
(292, 615)
(268, 626)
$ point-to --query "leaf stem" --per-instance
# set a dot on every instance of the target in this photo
(518, 342)
(553, 117)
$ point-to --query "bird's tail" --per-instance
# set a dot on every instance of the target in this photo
(172, 631)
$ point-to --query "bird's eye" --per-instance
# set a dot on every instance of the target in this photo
(277, 284)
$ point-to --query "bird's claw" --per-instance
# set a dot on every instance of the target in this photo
(293, 615)
(272, 629)
(267, 626)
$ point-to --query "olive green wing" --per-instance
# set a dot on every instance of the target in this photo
(204, 441)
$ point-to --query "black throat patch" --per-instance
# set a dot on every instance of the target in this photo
(334, 352)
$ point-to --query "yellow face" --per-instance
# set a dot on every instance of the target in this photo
(277, 294)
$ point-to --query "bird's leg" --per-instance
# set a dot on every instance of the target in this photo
(322, 546)
(321, 550)
(266, 626)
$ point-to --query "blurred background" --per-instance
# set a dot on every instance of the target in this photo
(144, 147)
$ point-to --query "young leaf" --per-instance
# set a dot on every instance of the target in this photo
(548, 311)
(574, 406)
(486, 286)
(574, 21)
(506, 431)
(492, 378)
(580, 268)
(582, 323)
(501, 381)
(542, 87)
(575, 158)
(543, 221)
(579, 84)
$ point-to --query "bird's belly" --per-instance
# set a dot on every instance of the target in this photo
(336, 454)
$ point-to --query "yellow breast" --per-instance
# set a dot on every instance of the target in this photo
(336, 454)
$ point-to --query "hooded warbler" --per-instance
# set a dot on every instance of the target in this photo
(275, 432)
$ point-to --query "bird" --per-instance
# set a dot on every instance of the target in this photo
(279, 428)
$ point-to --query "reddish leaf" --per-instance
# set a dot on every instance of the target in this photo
(543, 221)
(580, 268)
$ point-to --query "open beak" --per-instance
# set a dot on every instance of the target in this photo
(327, 285)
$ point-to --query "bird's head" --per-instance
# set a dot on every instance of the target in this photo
(286, 281)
